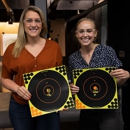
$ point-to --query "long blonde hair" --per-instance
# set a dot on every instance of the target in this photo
(21, 38)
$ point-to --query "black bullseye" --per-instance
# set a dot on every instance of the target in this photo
(47, 88)
(97, 87)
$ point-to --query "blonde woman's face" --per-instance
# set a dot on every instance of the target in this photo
(86, 33)
(32, 24)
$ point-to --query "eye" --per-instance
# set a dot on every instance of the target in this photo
(29, 20)
(38, 21)
(89, 30)
(81, 31)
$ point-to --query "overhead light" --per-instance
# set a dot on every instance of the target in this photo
(10, 21)
(78, 12)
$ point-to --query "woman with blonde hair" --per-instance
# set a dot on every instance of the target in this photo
(31, 52)
(95, 55)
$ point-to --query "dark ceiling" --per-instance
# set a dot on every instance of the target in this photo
(16, 6)
(58, 8)
(68, 8)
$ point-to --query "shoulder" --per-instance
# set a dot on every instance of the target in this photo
(10, 47)
(75, 54)
(8, 52)
(104, 47)
(52, 43)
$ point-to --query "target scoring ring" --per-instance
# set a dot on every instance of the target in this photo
(94, 88)
(48, 90)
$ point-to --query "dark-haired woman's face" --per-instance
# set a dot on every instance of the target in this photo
(86, 33)
(32, 24)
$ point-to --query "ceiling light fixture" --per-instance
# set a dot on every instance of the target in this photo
(10, 21)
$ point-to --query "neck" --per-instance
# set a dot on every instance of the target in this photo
(88, 49)
(34, 40)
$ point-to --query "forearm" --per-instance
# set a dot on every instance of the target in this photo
(9, 84)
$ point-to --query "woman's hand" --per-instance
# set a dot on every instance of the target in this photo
(24, 93)
(121, 75)
(74, 89)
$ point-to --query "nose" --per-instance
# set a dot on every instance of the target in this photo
(33, 23)
(85, 33)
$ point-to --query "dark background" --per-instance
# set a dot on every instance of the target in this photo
(119, 39)
(16, 5)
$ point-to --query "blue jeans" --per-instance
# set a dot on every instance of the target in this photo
(21, 119)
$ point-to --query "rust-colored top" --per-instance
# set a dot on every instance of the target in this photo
(49, 57)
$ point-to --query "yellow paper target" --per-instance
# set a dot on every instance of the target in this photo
(50, 90)
(98, 90)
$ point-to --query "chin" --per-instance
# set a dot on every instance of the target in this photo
(85, 44)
